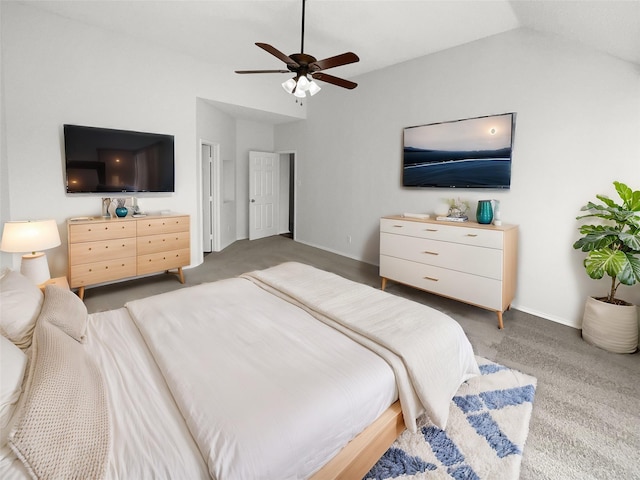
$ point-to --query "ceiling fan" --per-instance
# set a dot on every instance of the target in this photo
(307, 68)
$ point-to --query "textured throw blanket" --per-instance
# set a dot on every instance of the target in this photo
(428, 351)
(63, 429)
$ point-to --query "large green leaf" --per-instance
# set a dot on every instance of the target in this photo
(630, 198)
(634, 265)
(631, 239)
(596, 237)
(605, 260)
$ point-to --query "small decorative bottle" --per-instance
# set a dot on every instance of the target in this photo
(497, 219)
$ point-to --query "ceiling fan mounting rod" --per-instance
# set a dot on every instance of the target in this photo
(302, 36)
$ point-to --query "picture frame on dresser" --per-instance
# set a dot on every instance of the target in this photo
(469, 262)
(105, 250)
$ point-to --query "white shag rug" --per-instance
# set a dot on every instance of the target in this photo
(484, 439)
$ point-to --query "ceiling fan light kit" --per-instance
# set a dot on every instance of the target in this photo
(307, 68)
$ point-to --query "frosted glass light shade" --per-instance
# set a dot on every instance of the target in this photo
(313, 88)
(289, 85)
(303, 84)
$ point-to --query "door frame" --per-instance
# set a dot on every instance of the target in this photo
(292, 157)
(210, 208)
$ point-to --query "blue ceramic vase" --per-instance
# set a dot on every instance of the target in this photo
(484, 213)
(122, 211)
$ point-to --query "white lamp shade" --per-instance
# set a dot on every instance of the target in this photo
(289, 85)
(29, 236)
(313, 88)
(303, 83)
(299, 93)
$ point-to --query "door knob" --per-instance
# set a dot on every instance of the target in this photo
(253, 200)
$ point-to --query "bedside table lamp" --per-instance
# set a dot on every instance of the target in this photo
(31, 236)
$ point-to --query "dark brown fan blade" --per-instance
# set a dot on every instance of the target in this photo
(332, 62)
(341, 82)
(278, 54)
(263, 71)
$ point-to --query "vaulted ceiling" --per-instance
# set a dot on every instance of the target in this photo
(382, 33)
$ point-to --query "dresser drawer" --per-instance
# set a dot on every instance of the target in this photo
(99, 272)
(155, 226)
(474, 289)
(89, 252)
(156, 262)
(162, 243)
(482, 261)
(88, 232)
(481, 237)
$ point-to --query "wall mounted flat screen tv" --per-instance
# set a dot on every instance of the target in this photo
(470, 153)
(100, 160)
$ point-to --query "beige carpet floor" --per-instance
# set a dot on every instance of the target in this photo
(586, 415)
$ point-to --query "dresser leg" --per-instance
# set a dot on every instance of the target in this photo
(81, 293)
(500, 325)
(384, 283)
(180, 275)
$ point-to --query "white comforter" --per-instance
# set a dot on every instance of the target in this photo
(267, 391)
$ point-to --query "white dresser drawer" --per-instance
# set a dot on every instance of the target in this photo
(481, 237)
(474, 289)
(471, 259)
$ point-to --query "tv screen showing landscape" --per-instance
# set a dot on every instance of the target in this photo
(470, 153)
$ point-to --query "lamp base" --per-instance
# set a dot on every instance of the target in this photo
(35, 267)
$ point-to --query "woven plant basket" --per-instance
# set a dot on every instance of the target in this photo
(611, 327)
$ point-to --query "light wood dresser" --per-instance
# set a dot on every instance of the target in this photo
(103, 250)
(467, 261)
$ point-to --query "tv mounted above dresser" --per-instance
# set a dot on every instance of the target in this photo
(99, 160)
(470, 153)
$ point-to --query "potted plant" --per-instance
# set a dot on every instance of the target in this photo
(613, 248)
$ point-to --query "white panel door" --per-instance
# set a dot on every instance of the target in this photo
(263, 194)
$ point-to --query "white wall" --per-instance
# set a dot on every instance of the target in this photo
(577, 131)
(219, 128)
(58, 71)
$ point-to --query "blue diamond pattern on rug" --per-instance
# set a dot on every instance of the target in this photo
(484, 439)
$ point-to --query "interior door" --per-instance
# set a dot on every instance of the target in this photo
(263, 194)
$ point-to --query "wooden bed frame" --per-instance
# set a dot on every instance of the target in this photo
(362, 453)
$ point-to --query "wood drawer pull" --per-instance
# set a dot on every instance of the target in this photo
(431, 278)
(430, 229)
(472, 235)
(89, 248)
(431, 253)
(398, 226)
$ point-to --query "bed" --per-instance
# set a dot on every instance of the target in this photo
(289, 372)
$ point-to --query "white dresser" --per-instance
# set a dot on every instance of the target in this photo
(469, 262)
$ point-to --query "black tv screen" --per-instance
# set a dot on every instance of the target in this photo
(470, 153)
(101, 160)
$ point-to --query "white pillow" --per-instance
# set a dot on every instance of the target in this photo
(13, 362)
(20, 304)
(65, 310)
